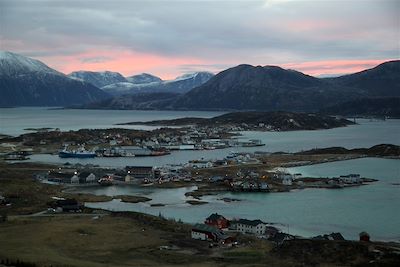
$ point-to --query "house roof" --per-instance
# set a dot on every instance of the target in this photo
(279, 237)
(215, 216)
(206, 228)
(220, 235)
(364, 234)
(249, 222)
(337, 236)
(332, 236)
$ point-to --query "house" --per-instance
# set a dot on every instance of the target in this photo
(68, 205)
(217, 220)
(263, 186)
(270, 231)
(4, 201)
(41, 176)
(75, 179)
(364, 236)
(91, 178)
(216, 179)
(350, 179)
(332, 236)
(255, 227)
(140, 172)
(200, 164)
(207, 232)
(280, 238)
(287, 179)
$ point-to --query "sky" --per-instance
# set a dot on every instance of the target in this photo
(168, 38)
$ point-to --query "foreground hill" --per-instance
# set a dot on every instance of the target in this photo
(282, 121)
(382, 106)
(28, 82)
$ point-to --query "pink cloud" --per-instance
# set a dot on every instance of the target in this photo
(334, 66)
(125, 62)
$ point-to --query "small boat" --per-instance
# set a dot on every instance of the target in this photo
(80, 153)
(18, 155)
(105, 181)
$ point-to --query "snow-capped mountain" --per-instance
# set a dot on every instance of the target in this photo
(180, 85)
(29, 82)
(143, 78)
(14, 64)
(98, 79)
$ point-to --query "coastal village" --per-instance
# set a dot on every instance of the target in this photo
(246, 172)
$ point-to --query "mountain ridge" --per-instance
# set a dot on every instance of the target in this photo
(29, 82)
(98, 79)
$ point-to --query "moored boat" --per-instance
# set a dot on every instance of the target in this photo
(80, 153)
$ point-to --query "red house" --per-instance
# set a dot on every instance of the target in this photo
(217, 220)
(364, 236)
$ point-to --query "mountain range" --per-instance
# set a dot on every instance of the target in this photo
(98, 79)
(271, 88)
(146, 83)
(28, 82)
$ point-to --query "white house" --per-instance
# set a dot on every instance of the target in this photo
(75, 179)
(350, 179)
(91, 178)
(198, 235)
(200, 164)
(255, 227)
(287, 179)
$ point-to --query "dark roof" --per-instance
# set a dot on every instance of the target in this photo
(332, 236)
(206, 228)
(83, 174)
(337, 236)
(271, 229)
(215, 216)
(66, 202)
(249, 222)
(279, 237)
(364, 234)
(139, 167)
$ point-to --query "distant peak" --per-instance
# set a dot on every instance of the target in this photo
(12, 63)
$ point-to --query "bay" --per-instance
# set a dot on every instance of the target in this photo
(373, 208)
(13, 121)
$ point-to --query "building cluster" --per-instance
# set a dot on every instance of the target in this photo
(217, 228)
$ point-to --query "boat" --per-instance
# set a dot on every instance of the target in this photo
(105, 180)
(17, 155)
(80, 153)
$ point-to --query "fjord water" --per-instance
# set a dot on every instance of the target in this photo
(373, 208)
(13, 121)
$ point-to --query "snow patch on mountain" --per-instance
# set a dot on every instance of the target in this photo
(13, 64)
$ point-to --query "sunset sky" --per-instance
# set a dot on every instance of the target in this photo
(168, 38)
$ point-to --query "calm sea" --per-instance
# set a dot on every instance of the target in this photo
(13, 121)
(373, 208)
